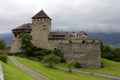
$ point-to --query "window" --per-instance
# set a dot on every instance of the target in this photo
(44, 27)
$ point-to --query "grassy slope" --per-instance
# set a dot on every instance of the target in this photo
(11, 72)
(110, 68)
(57, 74)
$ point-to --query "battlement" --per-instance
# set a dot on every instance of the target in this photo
(81, 41)
(41, 19)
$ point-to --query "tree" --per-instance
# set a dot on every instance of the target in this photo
(26, 44)
(116, 54)
(110, 53)
(2, 45)
(3, 58)
(51, 59)
(71, 64)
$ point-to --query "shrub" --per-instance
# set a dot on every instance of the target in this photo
(21, 54)
(77, 65)
(102, 65)
(71, 64)
(3, 58)
(2, 45)
(51, 59)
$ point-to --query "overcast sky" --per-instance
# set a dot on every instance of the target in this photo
(67, 15)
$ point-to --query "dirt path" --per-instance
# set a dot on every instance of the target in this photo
(28, 70)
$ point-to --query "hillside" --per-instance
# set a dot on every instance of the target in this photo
(7, 37)
(55, 73)
(112, 39)
(11, 72)
(110, 68)
(52, 73)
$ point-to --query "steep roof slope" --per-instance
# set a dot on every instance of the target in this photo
(41, 14)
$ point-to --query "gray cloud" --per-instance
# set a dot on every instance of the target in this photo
(67, 15)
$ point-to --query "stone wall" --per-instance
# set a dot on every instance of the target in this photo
(53, 44)
(15, 45)
(88, 55)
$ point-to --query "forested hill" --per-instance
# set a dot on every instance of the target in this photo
(108, 38)
(112, 39)
(7, 37)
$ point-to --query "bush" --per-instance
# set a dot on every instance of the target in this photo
(51, 59)
(102, 65)
(78, 65)
(3, 58)
(71, 64)
(21, 54)
(110, 53)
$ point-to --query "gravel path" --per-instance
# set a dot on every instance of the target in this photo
(91, 73)
(28, 70)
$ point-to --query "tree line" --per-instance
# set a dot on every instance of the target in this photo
(111, 53)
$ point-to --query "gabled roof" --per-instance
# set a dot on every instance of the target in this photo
(41, 14)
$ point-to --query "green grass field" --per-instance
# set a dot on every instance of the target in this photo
(11, 72)
(110, 68)
(57, 74)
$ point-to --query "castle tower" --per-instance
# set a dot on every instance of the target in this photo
(41, 27)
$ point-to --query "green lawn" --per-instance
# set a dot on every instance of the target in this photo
(110, 68)
(11, 72)
(57, 74)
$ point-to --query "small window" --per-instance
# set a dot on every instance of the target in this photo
(83, 42)
(44, 27)
(55, 48)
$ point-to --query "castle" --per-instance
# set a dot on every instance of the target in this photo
(78, 46)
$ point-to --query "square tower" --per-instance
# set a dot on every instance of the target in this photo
(41, 28)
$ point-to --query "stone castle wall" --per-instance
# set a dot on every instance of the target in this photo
(53, 44)
(88, 55)
(15, 45)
